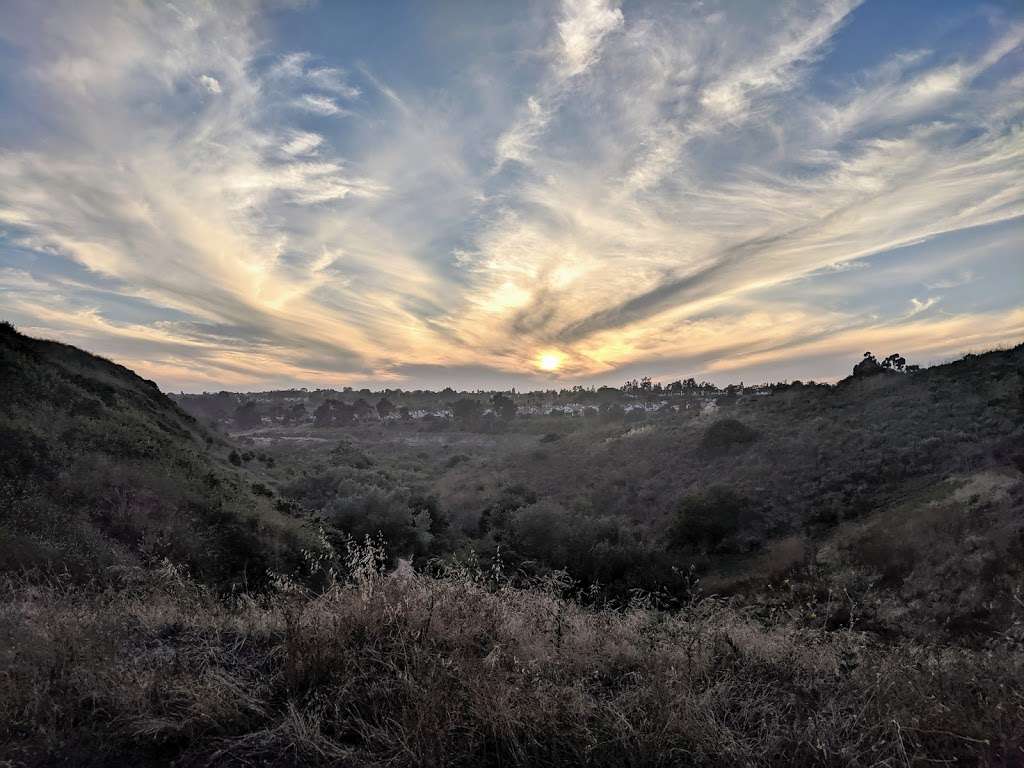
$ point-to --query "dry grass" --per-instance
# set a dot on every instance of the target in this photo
(466, 670)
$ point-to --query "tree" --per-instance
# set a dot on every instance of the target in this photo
(868, 366)
(895, 362)
(504, 406)
(726, 433)
(297, 413)
(332, 412)
(385, 408)
(706, 519)
(247, 416)
(467, 411)
(612, 411)
(363, 410)
(323, 416)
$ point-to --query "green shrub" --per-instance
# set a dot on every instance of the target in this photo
(705, 520)
(725, 434)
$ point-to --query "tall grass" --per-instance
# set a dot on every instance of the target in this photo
(465, 670)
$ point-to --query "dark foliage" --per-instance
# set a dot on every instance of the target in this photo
(725, 434)
(99, 469)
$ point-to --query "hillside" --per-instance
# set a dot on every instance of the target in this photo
(830, 575)
(813, 455)
(895, 489)
(100, 471)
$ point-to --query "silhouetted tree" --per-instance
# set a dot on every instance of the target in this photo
(895, 362)
(868, 366)
(385, 408)
(504, 406)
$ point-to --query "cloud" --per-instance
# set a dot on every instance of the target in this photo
(963, 278)
(333, 80)
(686, 189)
(798, 42)
(321, 105)
(297, 67)
(518, 142)
(211, 84)
(901, 90)
(917, 306)
(584, 24)
(302, 143)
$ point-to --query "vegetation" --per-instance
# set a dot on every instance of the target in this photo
(100, 470)
(463, 669)
(725, 434)
(796, 574)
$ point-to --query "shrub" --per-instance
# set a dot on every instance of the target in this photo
(724, 434)
(705, 520)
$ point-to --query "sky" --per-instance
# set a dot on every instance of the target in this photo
(253, 195)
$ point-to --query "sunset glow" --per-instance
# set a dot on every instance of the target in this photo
(550, 361)
(259, 195)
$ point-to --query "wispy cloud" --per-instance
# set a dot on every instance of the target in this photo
(321, 105)
(581, 30)
(299, 68)
(639, 185)
(302, 143)
(963, 278)
(917, 306)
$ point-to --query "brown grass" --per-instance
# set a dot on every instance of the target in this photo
(465, 670)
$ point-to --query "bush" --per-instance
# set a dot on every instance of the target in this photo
(705, 520)
(724, 434)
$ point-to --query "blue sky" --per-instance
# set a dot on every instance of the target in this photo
(253, 195)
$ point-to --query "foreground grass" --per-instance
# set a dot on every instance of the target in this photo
(460, 670)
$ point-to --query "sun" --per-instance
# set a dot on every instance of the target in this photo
(549, 361)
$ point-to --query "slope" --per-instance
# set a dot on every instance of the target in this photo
(100, 471)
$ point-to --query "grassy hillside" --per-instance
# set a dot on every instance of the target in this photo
(827, 576)
(100, 470)
(467, 670)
